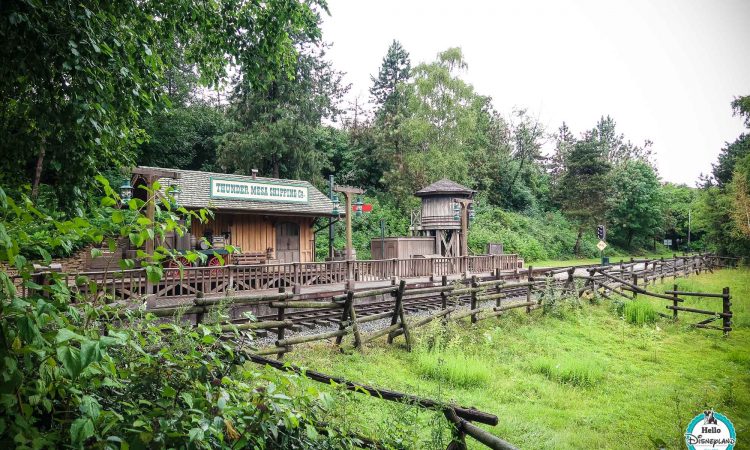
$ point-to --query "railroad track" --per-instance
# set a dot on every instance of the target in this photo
(311, 319)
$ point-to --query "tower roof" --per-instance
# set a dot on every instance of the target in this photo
(444, 186)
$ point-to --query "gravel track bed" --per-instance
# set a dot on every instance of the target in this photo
(368, 327)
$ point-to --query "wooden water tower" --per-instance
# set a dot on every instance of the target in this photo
(437, 215)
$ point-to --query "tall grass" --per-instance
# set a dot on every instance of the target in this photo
(455, 369)
(569, 370)
(639, 312)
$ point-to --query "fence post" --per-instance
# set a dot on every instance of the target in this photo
(345, 314)
(726, 309)
(297, 288)
(661, 269)
(675, 303)
(432, 270)
(528, 290)
(199, 316)
(443, 295)
(570, 285)
(395, 271)
(473, 304)
(280, 318)
(635, 282)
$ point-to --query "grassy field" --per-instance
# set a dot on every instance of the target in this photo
(579, 377)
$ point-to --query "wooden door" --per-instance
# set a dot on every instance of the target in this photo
(287, 242)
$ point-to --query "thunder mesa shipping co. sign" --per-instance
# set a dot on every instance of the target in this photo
(258, 191)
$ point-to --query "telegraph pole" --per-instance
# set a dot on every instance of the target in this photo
(331, 234)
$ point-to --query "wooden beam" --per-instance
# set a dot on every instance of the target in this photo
(160, 173)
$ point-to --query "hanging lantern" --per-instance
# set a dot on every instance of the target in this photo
(472, 214)
(336, 204)
(456, 211)
(174, 191)
(126, 191)
(358, 206)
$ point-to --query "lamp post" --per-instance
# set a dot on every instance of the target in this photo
(348, 192)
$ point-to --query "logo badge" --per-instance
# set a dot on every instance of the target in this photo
(710, 430)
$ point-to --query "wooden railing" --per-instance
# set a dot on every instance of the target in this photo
(124, 285)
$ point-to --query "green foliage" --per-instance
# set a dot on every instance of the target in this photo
(639, 312)
(634, 207)
(78, 372)
(280, 118)
(76, 79)
(535, 237)
(183, 138)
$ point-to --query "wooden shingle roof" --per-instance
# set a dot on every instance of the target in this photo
(444, 186)
(195, 187)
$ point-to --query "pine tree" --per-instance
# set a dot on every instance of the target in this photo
(583, 187)
(395, 70)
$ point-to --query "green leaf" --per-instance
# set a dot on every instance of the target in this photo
(118, 217)
(80, 430)
(71, 359)
(195, 433)
(90, 352)
(65, 334)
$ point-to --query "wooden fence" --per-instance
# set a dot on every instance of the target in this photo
(180, 283)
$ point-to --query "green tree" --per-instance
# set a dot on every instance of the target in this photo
(634, 206)
(279, 121)
(76, 78)
(393, 72)
(678, 201)
(584, 185)
(724, 168)
(722, 203)
(183, 138)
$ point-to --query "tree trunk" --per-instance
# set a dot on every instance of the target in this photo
(577, 247)
(38, 172)
(630, 238)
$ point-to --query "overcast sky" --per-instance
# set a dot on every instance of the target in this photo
(665, 70)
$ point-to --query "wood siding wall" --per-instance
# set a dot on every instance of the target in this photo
(257, 233)
(437, 212)
(402, 247)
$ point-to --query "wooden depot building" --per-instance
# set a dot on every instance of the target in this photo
(268, 219)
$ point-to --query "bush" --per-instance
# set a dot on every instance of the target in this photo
(639, 312)
(72, 376)
(570, 370)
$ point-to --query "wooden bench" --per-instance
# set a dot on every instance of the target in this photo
(249, 258)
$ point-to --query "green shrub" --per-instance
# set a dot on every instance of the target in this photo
(569, 370)
(639, 312)
(458, 370)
